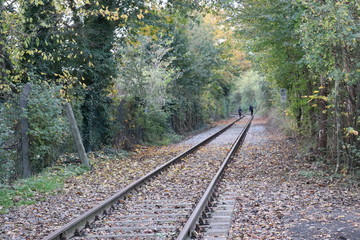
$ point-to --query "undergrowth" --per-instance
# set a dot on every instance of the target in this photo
(34, 189)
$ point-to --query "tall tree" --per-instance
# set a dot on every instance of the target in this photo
(3, 57)
(95, 27)
(40, 42)
(196, 57)
(329, 35)
(310, 48)
(7, 25)
(269, 32)
(98, 33)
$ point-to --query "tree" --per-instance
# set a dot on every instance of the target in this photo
(269, 32)
(311, 49)
(4, 60)
(98, 33)
(95, 27)
(330, 41)
(144, 75)
(252, 89)
(40, 50)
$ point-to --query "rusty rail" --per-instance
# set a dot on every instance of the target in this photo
(73, 227)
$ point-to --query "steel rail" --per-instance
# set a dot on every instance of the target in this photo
(73, 227)
(190, 225)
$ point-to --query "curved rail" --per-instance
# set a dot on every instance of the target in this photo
(73, 228)
(190, 225)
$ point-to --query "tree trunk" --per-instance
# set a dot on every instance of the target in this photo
(338, 126)
(348, 66)
(311, 110)
(2, 62)
(322, 141)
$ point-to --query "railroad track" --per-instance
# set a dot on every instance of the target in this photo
(170, 202)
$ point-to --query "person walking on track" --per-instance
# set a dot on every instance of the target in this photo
(251, 109)
(239, 111)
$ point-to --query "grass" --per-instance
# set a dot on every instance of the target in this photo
(169, 138)
(34, 189)
(311, 174)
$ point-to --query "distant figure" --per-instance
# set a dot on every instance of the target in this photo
(239, 111)
(251, 109)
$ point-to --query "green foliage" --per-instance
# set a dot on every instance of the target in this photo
(327, 25)
(39, 50)
(269, 29)
(329, 36)
(7, 151)
(144, 76)
(157, 129)
(170, 80)
(310, 48)
(98, 35)
(199, 92)
(251, 89)
(96, 68)
(68, 47)
(351, 154)
(48, 128)
(26, 191)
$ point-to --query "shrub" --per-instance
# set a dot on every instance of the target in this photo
(7, 152)
(48, 125)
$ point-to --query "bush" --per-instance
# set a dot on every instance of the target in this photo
(7, 153)
(156, 127)
(48, 126)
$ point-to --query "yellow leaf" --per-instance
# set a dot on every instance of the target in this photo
(324, 98)
(353, 131)
(140, 16)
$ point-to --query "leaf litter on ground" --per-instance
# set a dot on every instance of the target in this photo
(277, 201)
(80, 193)
(277, 197)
